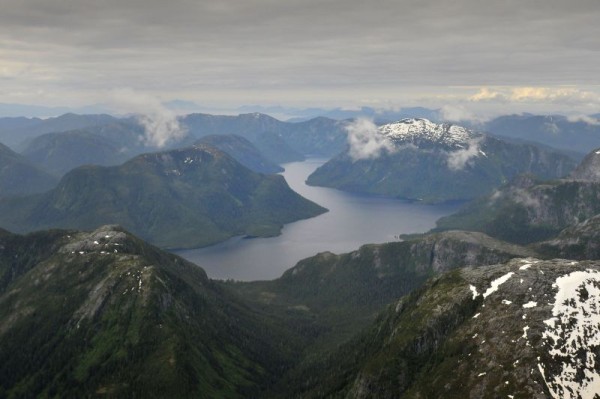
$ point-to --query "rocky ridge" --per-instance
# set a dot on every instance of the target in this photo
(418, 131)
(523, 329)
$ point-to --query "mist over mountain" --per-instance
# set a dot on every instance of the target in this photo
(420, 160)
(530, 209)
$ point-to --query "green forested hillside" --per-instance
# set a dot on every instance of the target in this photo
(181, 198)
(104, 314)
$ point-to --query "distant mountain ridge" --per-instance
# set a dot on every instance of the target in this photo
(104, 145)
(243, 151)
(18, 176)
(579, 134)
(318, 136)
(16, 136)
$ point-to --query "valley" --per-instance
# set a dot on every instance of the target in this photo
(351, 221)
(255, 199)
(210, 268)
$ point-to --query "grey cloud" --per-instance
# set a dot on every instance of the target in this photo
(366, 142)
(161, 125)
(457, 160)
(296, 46)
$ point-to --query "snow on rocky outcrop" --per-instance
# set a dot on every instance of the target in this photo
(415, 131)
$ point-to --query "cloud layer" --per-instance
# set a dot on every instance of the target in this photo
(366, 142)
(334, 52)
(457, 160)
(160, 124)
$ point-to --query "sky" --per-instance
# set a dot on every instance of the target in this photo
(470, 58)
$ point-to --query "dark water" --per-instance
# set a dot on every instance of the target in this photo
(352, 220)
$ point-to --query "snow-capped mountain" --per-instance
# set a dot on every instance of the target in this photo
(417, 131)
(421, 160)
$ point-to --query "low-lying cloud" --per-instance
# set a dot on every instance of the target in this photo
(366, 142)
(161, 125)
(457, 160)
(585, 119)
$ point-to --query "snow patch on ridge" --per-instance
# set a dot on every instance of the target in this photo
(462, 144)
(497, 283)
(572, 337)
(410, 130)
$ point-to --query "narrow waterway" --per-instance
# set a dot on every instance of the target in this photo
(352, 220)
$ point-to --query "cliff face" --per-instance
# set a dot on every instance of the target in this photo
(530, 210)
(589, 168)
(580, 241)
(525, 328)
(525, 214)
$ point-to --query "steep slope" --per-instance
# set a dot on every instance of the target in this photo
(104, 314)
(433, 162)
(343, 293)
(18, 176)
(580, 241)
(589, 168)
(524, 329)
(242, 151)
(529, 210)
(181, 198)
(527, 213)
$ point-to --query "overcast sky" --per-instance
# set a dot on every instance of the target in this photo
(467, 56)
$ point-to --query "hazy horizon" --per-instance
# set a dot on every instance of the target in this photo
(468, 58)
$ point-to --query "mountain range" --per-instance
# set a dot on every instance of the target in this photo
(526, 328)
(180, 198)
(425, 161)
(579, 134)
(508, 309)
(452, 314)
(18, 176)
(319, 136)
(16, 132)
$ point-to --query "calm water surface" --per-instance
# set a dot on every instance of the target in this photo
(352, 220)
